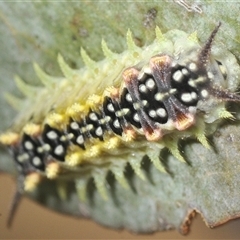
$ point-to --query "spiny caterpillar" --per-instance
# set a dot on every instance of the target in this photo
(114, 112)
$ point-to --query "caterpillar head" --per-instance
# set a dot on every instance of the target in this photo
(197, 71)
(168, 91)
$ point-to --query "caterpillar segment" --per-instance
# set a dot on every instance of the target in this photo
(146, 101)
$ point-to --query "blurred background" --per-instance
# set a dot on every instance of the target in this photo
(33, 221)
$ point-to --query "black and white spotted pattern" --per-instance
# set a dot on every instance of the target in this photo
(151, 99)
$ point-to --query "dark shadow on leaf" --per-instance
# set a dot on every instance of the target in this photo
(112, 190)
(91, 189)
(146, 167)
(129, 174)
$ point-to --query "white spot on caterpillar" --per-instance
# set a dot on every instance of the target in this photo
(186, 97)
(89, 127)
(194, 95)
(59, 150)
(210, 75)
(173, 91)
(28, 145)
(128, 97)
(193, 67)
(70, 136)
(93, 116)
(185, 71)
(122, 112)
(178, 76)
(144, 103)
(105, 120)
(80, 140)
(74, 125)
(116, 123)
(142, 88)
(99, 132)
(36, 161)
(46, 147)
(137, 105)
(192, 83)
(110, 107)
(23, 157)
(204, 93)
(161, 112)
(159, 96)
(52, 135)
(63, 138)
(136, 117)
(125, 111)
(152, 113)
(150, 84)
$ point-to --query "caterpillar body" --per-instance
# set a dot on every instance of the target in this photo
(115, 112)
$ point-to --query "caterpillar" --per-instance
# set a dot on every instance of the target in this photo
(116, 111)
